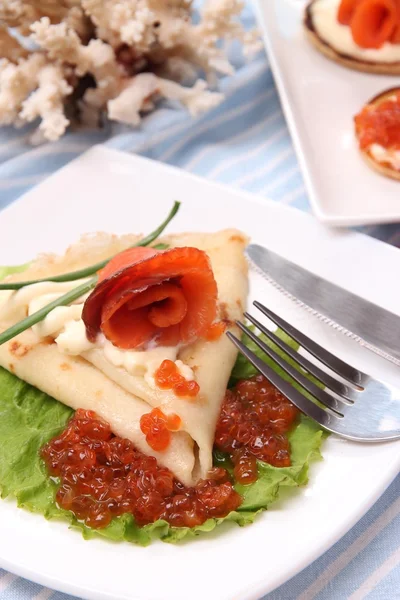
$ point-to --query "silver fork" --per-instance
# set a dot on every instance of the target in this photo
(363, 409)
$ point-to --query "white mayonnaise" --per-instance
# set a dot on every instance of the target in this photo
(384, 155)
(72, 339)
(16, 304)
(64, 324)
(138, 362)
(324, 16)
(185, 370)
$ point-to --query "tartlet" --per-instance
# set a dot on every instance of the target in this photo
(341, 58)
(371, 151)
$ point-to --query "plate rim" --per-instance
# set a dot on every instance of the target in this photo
(322, 217)
(257, 592)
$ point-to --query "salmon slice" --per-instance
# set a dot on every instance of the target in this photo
(125, 258)
(395, 38)
(346, 11)
(374, 22)
(146, 296)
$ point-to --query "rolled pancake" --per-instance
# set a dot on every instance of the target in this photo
(93, 383)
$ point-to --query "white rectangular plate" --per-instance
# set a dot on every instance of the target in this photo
(320, 99)
(116, 192)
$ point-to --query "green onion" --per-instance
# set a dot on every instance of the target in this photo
(39, 315)
(77, 292)
(88, 271)
(157, 232)
(160, 246)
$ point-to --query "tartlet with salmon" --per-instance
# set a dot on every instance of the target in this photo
(377, 128)
(359, 34)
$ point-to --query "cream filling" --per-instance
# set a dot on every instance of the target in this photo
(386, 156)
(65, 326)
(324, 16)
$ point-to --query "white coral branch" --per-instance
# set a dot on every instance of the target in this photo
(60, 41)
(22, 13)
(222, 18)
(47, 102)
(219, 21)
(97, 58)
(135, 22)
(17, 81)
(127, 107)
(14, 12)
(96, 51)
(196, 99)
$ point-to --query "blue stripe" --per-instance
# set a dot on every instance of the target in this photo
(293, 588)
(21, 588)
(357, 571)
(388, 588)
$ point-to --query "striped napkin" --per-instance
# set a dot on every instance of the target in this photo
(244, 143)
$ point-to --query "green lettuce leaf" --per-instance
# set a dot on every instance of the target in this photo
(4, 271)
(29, 418)
(305, 441)
(243, 369)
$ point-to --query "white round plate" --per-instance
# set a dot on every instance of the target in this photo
(108, 190)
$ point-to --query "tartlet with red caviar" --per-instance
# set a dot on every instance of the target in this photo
(377, 128)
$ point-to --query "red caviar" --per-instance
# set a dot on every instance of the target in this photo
(167, 377)
(215, 331)
(157, 427)
(254, 419)
(103, 476)
(380, 123)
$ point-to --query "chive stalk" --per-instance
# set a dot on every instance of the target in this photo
(39, 315)
(88, 271)
(77, 292)
(160, 246)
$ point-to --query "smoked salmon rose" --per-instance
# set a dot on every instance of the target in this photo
(148, 297)
(372, 22)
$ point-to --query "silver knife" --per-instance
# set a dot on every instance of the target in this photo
(370, 325)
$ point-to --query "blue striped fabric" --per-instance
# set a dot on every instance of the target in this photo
(245, 143)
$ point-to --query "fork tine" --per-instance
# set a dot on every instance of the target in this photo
(320, 395)
(310, 409)
(328, 359)
(333, 384)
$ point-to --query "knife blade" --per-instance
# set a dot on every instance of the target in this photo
(372, 326)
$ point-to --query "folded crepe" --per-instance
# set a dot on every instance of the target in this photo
(116, 383)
